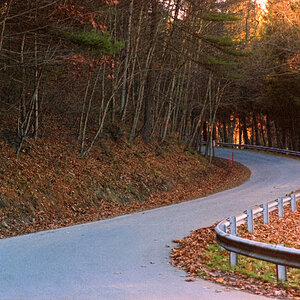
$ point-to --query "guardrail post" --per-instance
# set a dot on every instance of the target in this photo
(250, 220)
(224, 229)
(293, 202)
(280, 207)
(266, 213)
(232, 221)
(281, 270)
(233, 256)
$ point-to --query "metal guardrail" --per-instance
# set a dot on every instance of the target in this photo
(270, 149)
(277, 254)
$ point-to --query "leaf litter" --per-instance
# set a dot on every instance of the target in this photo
(50, 186)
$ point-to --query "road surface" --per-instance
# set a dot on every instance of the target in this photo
(128, 257)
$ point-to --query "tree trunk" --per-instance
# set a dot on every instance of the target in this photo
(169, 110)
(256, 135)
(240, 132)
(141, 95)
(225, 136)
(36, 100)
(87, 115)
(148, 122)
(269, 132)
(4, 23)
(245, 131)
(134, 62)
(126, 63)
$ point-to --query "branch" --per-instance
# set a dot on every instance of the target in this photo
(29, 11)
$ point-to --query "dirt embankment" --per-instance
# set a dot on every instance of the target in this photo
(50, 186)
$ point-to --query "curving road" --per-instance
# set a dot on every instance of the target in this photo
(127, 257)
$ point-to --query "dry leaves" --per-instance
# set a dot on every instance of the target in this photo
(50, 186)
(284, 230)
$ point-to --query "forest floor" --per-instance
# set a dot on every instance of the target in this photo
(200, 256)
(50, 186)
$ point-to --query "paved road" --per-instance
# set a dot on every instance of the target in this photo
(127, 257)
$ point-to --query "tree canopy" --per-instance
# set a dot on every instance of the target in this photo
(224, 70)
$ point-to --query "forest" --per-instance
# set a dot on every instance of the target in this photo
(185, 70)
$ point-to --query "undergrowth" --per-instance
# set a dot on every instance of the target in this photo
(255, 268)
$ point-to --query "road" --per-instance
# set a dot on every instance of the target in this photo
(128, 257)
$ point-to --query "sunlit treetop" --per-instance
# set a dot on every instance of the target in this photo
(262, 4)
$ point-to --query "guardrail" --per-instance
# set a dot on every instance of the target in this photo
(277, 254)
(270, 149)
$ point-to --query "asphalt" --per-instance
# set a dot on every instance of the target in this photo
(127, 257)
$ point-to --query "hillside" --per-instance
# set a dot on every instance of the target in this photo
(50, 186)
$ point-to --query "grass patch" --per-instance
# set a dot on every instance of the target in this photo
(219, 259)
